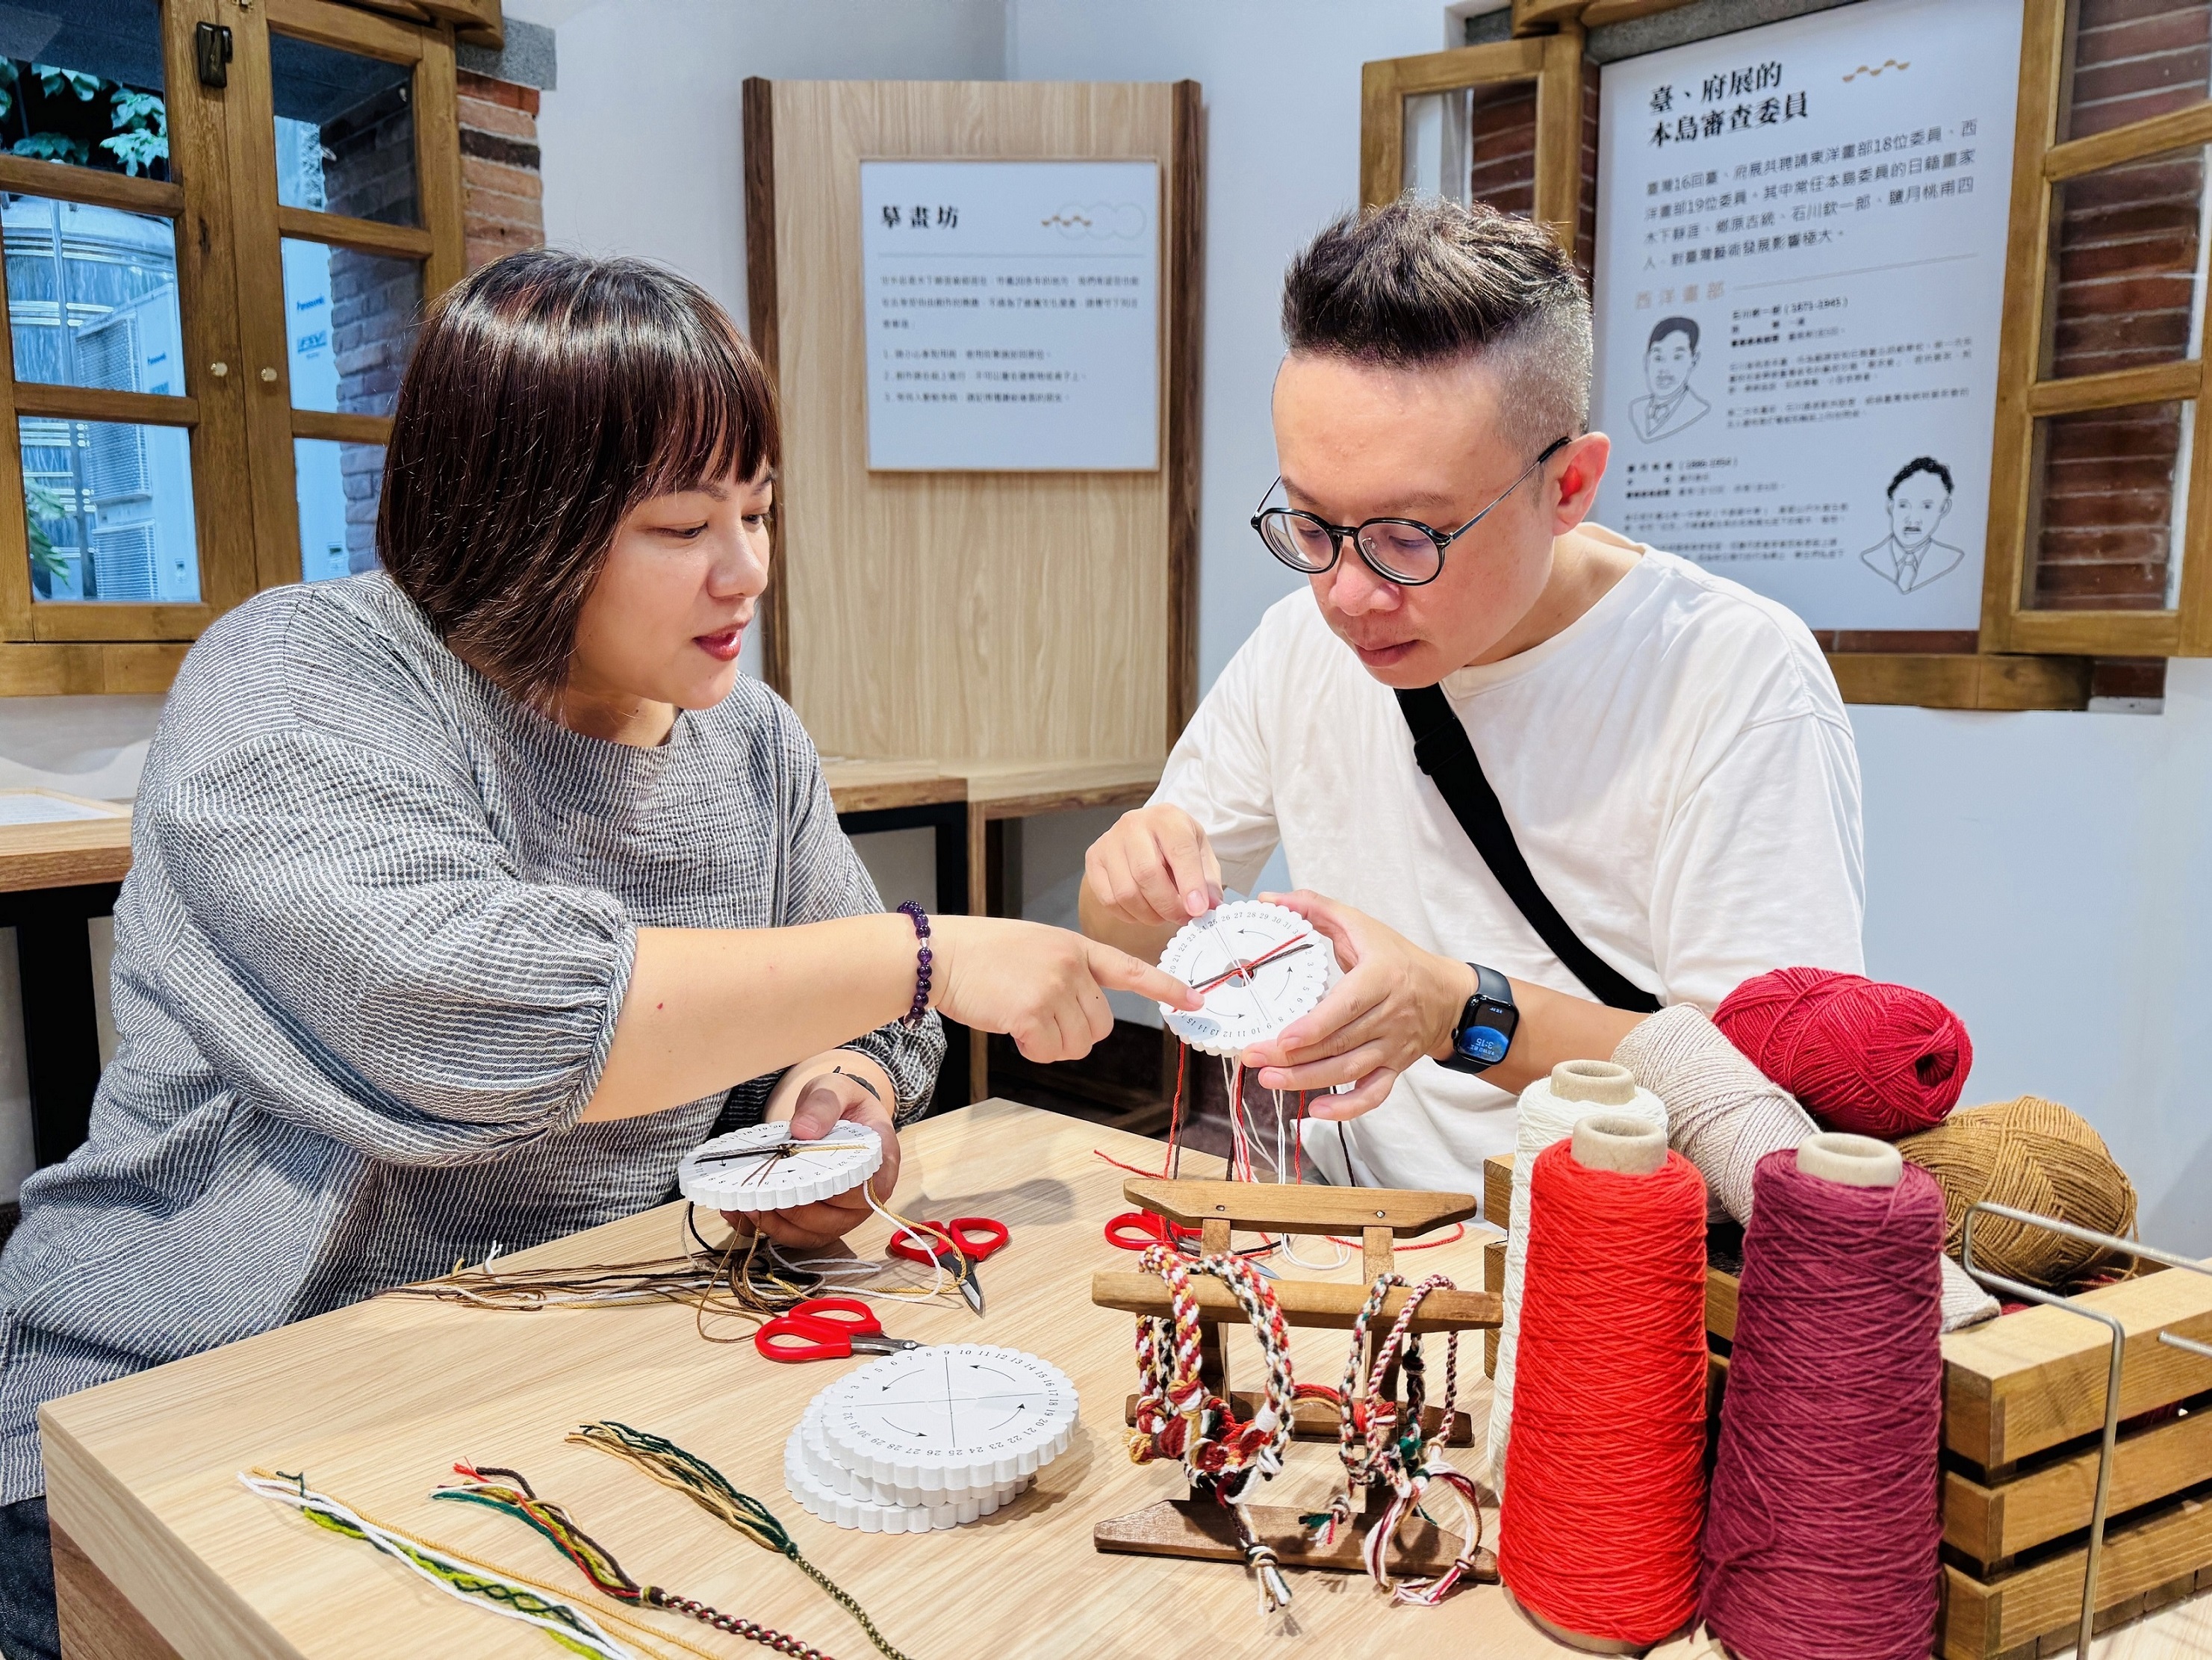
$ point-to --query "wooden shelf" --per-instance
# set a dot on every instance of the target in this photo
(1962, 680)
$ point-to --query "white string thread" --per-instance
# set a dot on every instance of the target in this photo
(579, 1631)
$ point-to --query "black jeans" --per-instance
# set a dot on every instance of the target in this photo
(28, 1630)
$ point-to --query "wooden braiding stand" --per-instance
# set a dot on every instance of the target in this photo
(1201, 1528)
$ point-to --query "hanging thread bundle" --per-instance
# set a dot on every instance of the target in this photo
(1859, 1054)
(1178, 1417)
(1826, 1527)
(1605, 1489)
(2037, 1156)
(1548, 1110)
(1380, 1443)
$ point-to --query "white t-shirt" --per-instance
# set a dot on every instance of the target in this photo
(1677, 768)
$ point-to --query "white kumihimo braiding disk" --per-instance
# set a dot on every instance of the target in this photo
(818, 1462)
(761, 1168)
(848, 1509)
(1258, 966)
(949, 1418)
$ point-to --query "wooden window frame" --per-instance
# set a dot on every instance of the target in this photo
(107, 645)
(2041, 163)
(436, 242)
(1553, 62)
(221, 196)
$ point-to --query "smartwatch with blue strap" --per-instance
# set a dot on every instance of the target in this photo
(1486, 1025)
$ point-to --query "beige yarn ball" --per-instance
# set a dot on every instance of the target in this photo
(2033, 1155)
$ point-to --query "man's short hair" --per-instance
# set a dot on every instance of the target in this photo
(1423, 281)
(1673, 325)
(1920, 463)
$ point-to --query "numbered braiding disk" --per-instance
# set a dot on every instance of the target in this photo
(760, 1167)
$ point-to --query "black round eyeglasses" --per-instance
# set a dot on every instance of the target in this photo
(1401, 551)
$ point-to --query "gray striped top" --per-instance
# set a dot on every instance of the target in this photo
(367, 963)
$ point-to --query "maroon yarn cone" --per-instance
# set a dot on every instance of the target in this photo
(1821, 1540)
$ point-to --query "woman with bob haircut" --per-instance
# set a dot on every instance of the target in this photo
(469, 894)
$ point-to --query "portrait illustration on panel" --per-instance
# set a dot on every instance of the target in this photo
(1670, 401)
(1919, 499)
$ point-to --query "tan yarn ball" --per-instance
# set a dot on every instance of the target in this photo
(2033, 1155)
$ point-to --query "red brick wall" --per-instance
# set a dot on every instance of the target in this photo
(2136, 58)
(1586, 201)
(503, 206)
(1502, 168)
(2126, 251)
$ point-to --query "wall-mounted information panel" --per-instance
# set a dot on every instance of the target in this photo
(1799, 284)
(1012, 315)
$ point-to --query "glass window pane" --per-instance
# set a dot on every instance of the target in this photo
(2129, 250)
(2133, 60)
(351, 318)
(1436, 143)
(82, 83)
(2111, 490)
(338, 487)
(92, 296)
(345, 132)
(110, 510)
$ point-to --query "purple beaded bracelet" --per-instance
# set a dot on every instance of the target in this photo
(919, 918)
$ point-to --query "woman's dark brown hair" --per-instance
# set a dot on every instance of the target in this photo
(549, 394)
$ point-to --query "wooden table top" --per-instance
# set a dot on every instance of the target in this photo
(865, 785)
(65, 852)
(1000, 790)
(374, 1403)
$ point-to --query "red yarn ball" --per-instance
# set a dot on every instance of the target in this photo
(1861, 1056)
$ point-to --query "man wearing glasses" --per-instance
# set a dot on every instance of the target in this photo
(1669, 750)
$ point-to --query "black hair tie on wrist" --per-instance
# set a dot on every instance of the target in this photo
(839, 1071)
(919, 918)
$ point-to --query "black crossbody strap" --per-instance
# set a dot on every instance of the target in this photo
(1441, 749)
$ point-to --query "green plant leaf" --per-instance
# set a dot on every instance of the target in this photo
(56, 79)
(136, 150)
(40, 503)
(137, 110)
(54, 146)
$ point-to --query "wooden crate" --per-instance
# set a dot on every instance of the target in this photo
(2023, 1418)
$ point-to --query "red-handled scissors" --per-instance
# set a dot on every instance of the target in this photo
(826, 1328)
(1139, 1230)
(958, 1246)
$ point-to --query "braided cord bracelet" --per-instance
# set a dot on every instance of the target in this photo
(1178, 1418)
(708, 1487)
(1376, 1451)
(512, 1494)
